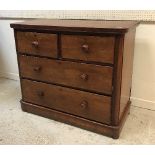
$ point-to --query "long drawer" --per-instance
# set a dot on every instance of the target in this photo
(88, 48)
(43, 44)
(88, 105)
(79, 75)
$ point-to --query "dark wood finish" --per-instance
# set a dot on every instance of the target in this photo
(87, 76)
(83, 74)
(128, 54)
(98, 26)
(84, 104)
(88, 48)
(117, 77)
(124, 51)
(42, 44)
(108, 130)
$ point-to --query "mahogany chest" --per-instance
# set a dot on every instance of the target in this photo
(77, 71)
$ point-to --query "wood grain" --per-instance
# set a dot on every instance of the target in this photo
(27, 43)
(117, 77)
(88, 48)
(127, 70)
(94, 26)
(84, 104)
(87, 76)
(77, 71)
(108, 130)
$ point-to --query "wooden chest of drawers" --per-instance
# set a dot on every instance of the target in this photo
(77, 71)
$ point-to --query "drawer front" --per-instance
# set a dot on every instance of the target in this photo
(86, 76)
(88, 48)
(42, 44)
(87, 105)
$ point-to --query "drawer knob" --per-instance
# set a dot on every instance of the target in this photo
(40, 93)
(84, 77)
(37, 69)
(84, 104)
(85, 48)
(35, 44)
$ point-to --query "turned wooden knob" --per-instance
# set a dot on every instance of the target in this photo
(85, 48)
(84, 77)
(35, 44)
(37, 69)
(40, 93)
(84, 104)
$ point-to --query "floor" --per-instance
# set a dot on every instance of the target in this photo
(17, 127)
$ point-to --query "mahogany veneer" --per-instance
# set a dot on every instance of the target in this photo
(77, 71)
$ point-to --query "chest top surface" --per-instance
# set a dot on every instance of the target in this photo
(76, 25)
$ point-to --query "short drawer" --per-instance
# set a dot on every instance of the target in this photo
(42, 44)
(83, 104)
(79, 75)
(88, 48)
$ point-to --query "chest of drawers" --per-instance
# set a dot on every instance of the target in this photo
(77, 71)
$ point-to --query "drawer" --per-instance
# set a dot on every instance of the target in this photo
(83, 104)
(42, 44)
(88, 48)
(79, 75)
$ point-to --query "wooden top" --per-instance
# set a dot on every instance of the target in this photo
(76, 25)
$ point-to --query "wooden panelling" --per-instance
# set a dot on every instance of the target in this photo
(84, 104)
(127, 69)
(86, 76)
(42, 44)
(88, 48)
